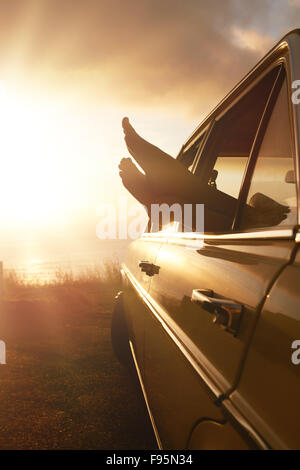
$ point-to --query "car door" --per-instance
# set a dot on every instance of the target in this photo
(136, 272)
(206, 299)
(267, 397)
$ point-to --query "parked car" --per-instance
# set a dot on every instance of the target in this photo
(211, 319)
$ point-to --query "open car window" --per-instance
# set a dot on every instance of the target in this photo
(271, 199)
(225, 155)
(228, 173)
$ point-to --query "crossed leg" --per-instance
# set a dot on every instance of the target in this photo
(165, 175)
(166, 180)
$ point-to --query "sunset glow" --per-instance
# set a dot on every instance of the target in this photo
(69, 72)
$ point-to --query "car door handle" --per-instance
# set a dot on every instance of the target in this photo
(226, 313)
(149, 268)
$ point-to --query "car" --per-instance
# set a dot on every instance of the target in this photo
(211, 320)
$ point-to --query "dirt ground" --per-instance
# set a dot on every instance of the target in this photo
(62, 387)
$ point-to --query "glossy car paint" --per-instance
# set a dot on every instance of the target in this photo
(136, 283)
(268, 392)
(211, 435)
(233, 269)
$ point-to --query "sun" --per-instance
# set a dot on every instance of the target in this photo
(31, 142)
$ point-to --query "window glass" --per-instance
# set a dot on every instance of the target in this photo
(271, 198)
(235, 136)
(228, 174)
(229, 148)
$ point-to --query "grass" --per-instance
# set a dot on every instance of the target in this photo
(93, 279)
(62, 387)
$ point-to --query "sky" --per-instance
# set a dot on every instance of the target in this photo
(71, 69)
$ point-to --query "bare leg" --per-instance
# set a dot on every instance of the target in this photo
(167, 180)
(165, 174)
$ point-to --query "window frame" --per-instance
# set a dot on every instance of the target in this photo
(204, 162)
(202, 136)
(260, 134)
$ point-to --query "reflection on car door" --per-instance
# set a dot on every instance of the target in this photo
(140, 259)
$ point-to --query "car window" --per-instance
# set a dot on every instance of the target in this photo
(228, 173)
(271, 199)
(229, 146)
(234, 137)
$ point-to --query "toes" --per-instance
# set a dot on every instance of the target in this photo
(125, 122)
(125, 163)
(128, 170)
(127, 127)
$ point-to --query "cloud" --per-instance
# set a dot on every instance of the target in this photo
(252, 40)
(185, 54)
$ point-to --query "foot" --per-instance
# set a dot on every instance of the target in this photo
(128, 170)
(150, 158)
(134, 181)
(164, 174)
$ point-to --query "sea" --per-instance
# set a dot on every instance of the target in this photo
(49, 267)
